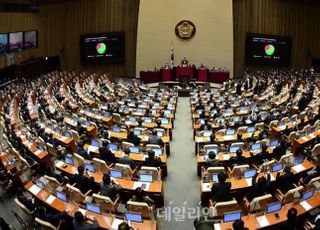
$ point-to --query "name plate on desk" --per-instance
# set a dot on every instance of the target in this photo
(92, 149)
(306, 205)
(34, 189)
(59, 164)
(138, 184)
(249, 181)
(206, 187)
(217, 226)
(115, 223)
(50, 199)
(37, 152)
(262, 221)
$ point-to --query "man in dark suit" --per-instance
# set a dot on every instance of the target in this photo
(81, 180)
(106, 154)
(81, 223)
(293, 222)
(221, 191)
(238, 159)
(134, 139)
(286, 180)
(212, 161)
(82, 152)
(239, 225)
(108, 188)
(202, 223)
(151, 160)
(126, 159)
(154, 139)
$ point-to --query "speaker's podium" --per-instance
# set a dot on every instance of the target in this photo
(203, 74)
(184, 73)
(166, 74)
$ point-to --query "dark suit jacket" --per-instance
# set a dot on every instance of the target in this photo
(155, 162)
(285, 181)
(153, 139)
(213, 163)
(126, 160)
(82, 182)
(291, 225)
(221, 192)
(106, 155)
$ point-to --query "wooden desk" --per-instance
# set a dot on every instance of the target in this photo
(90, 129)
(105, 220)
(299, 142)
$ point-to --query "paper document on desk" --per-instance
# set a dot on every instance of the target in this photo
(226, 157)
(34, 189)
(305, 138)
(262, 221)
(306, 205)
(50, 199)
(206, 187)
(298, 168)
(249, 181)
(92, 149)
(37, 152)
(217, 226)
(64, 139)
(139, 184)
(115, 223)
(59, 164)
(312, 135)
(83, 211)
(272, 178)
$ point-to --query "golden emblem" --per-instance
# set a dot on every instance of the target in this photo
(185, 30)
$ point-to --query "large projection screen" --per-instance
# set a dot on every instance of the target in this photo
(212, 45)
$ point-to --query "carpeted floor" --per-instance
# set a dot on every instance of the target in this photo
(181, 190)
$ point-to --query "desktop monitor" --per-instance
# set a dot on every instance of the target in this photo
(67, 134)
(113, 147)
(232, 216)
(39, 184)
(274, 207)
(207, 133)
(90, 167)
(137, 132)
(208, 150)
(214, 178)
(87, 123)
(166, 112)
(145, 177)
(57, 130)
(116, 129)
(107, 115)
(134, 149)
(307, 195)
(202, 121)
(62, 196)
(95, 143)
(157, 151)
(298, 160)
(132, 119)
(93, 208)
(277, 167)
(147, 120)
(256, 146)
(230, 132)
(75, 119)
(139, 110)
(249, 173)
(234, 149)
(160, 134)
(69, 160)
(250, 129)
(274, 143)
(133, 217)
(115, 173)
(164, 121)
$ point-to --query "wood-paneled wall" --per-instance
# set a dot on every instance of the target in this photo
(298, 19)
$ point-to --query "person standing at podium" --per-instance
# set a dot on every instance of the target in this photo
(184, 62)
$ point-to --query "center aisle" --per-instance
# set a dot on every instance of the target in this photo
(181, 187)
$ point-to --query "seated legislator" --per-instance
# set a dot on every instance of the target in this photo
(105, 153)
(221, 190)
(263, 155)
(259, 187)
(134, 139)
(125, 226)
(126, 159)
(81, 223)
(108, 188)
(82, 152)
(155, 139)
(140, 196)
(52, 218)
(286, 180)
(151, 160)
(202, 223)
(239, 225)
(212, 161)
(293, 222)
(81, 180)
(238, 159)
(312, 174)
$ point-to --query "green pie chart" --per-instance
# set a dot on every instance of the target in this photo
(101, 48)
(269, 49)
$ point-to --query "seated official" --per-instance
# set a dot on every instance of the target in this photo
(239, 225)
(108, 188)
(82, 152)
(125, 226)
(52, 218)
(81, 223)
(93, 186)
(312, 174)
(221, 191)
(212, 161)
(286, 180)
(52, 141)
(139, 196)
(259, 187)
(154, 138)
(126, 159)
(263, 155)
(238, 159)
(134, 139)
(81, 180)
(151, 160)
(202, 223)
(281, 149)
(105, 153)
(293, 222)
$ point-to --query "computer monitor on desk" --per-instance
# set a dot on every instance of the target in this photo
(133, 217)
(274, 207)
(90, 167)
(256, 146)
(134, 149)
(146, 177)
(234, 149)
(95, 143)
(249, 173)
(69, 160)
(307, 195)
(277, 167)
(214, 178)
(230, 132)
(208, 150)
(232, 216)
(61, 196)
(115, 173)
(93, 208)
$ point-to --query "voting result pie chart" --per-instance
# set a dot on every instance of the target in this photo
(101, 48)
(269, 49)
